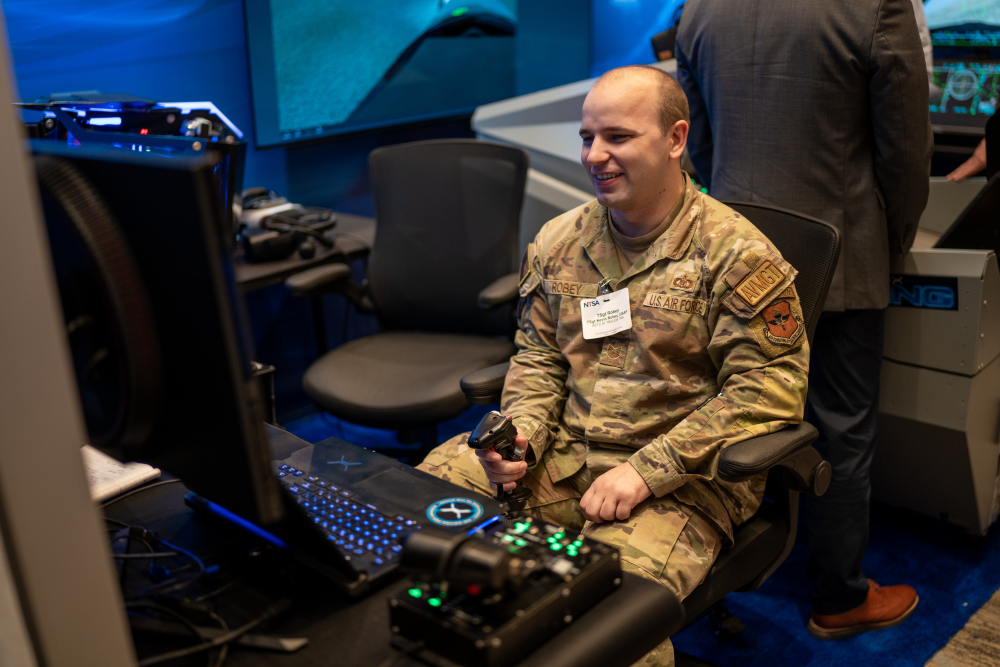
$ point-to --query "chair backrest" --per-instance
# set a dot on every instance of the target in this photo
(447, 213)
(810, 245)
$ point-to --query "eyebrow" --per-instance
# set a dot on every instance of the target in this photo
(614, 128)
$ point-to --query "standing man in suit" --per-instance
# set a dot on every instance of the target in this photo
(822, 107)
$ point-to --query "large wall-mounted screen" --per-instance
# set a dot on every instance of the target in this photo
(326, 67)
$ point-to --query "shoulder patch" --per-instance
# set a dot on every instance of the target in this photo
(761, 281)
(751, 288)
(779, 327)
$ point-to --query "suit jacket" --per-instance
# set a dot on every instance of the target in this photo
(819, 106)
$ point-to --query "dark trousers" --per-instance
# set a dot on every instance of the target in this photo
(844, 369)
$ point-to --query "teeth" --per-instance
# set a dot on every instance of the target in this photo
(604, 177)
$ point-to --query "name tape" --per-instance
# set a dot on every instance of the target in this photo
(571, 289)
(677, 303)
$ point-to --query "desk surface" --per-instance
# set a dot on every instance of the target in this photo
(355, 236)
(355, 632)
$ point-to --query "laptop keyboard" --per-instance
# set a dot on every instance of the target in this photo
(367, 538)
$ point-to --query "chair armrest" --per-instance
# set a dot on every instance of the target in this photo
(331, 278)
(499, 292)
(318, 280)
(484, 387)
(788, 448)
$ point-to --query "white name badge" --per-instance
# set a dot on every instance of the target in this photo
(605, 315)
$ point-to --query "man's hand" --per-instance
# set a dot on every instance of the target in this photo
(972, 166)
(614, 494)
(505, 472)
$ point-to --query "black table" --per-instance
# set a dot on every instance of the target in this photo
(354, 234)
(355, 632)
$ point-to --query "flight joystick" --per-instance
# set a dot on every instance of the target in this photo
(498, 432)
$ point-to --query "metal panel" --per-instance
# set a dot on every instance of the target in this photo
(924, 395)
(938, 449)
(957, 341)
(947, 200)
(53, 536)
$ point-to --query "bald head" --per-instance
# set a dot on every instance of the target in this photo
(671, 101)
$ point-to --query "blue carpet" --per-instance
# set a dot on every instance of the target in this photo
(953, 574)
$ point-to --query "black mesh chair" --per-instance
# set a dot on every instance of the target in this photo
(763, 542)
(442, 278)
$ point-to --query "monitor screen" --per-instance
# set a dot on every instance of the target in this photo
(970, 23)
(327, 67)
(964, 93)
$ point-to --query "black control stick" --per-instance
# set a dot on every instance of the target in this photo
(498, 432)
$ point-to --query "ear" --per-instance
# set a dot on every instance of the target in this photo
(677, 139)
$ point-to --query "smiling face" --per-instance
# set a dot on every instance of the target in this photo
(631, 163)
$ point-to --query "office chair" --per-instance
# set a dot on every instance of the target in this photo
(442, 278)
(762, 542)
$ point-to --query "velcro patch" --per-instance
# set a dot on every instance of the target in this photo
(779, 327)
(759, 283)
(678, 303)
(529, 282)
(685, 281)
(588, 290)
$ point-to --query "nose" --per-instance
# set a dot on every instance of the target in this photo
(596, 154)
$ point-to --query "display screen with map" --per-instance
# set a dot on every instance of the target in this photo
(325, 67)
(965, 85)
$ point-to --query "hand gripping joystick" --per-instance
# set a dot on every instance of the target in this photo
(498, 432)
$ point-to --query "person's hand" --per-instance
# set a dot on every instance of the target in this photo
(972, 166)
(614, 494)
(505, 472)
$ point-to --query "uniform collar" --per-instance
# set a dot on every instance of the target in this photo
(599, 244)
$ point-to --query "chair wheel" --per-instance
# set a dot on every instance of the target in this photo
(725, 624)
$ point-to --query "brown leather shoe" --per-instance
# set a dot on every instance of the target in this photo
(884, 608)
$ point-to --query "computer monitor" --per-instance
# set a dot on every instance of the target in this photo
(965, 35)
(326, 67)
(160, 345)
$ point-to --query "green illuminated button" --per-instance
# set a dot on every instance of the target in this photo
(461, 11)
(520, 542)
(551, 540)
(415, 592)
(555, 547)
(577, 543)
(509, 538)
(434, 602)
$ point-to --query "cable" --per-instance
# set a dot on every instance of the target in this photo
(403, 654)
(135, 491)
(162, 554)
(174, 615)
(221, 640)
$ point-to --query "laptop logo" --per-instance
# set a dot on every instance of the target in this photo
(453, 512)
(344, 463)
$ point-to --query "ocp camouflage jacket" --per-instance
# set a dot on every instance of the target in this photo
(717, 353)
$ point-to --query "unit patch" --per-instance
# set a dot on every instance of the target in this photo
(779, 326)
(678, 303)
(759, 283)
(684, 281)
(571, 289)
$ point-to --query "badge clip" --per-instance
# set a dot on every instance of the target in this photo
(604, 286)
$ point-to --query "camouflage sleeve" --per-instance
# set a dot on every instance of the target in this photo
(758, 343)
(535, 388)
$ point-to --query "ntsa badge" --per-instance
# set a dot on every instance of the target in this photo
(783, 326)
(760, 282)
(606, 315)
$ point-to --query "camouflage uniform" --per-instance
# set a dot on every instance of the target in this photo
(717, 353)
